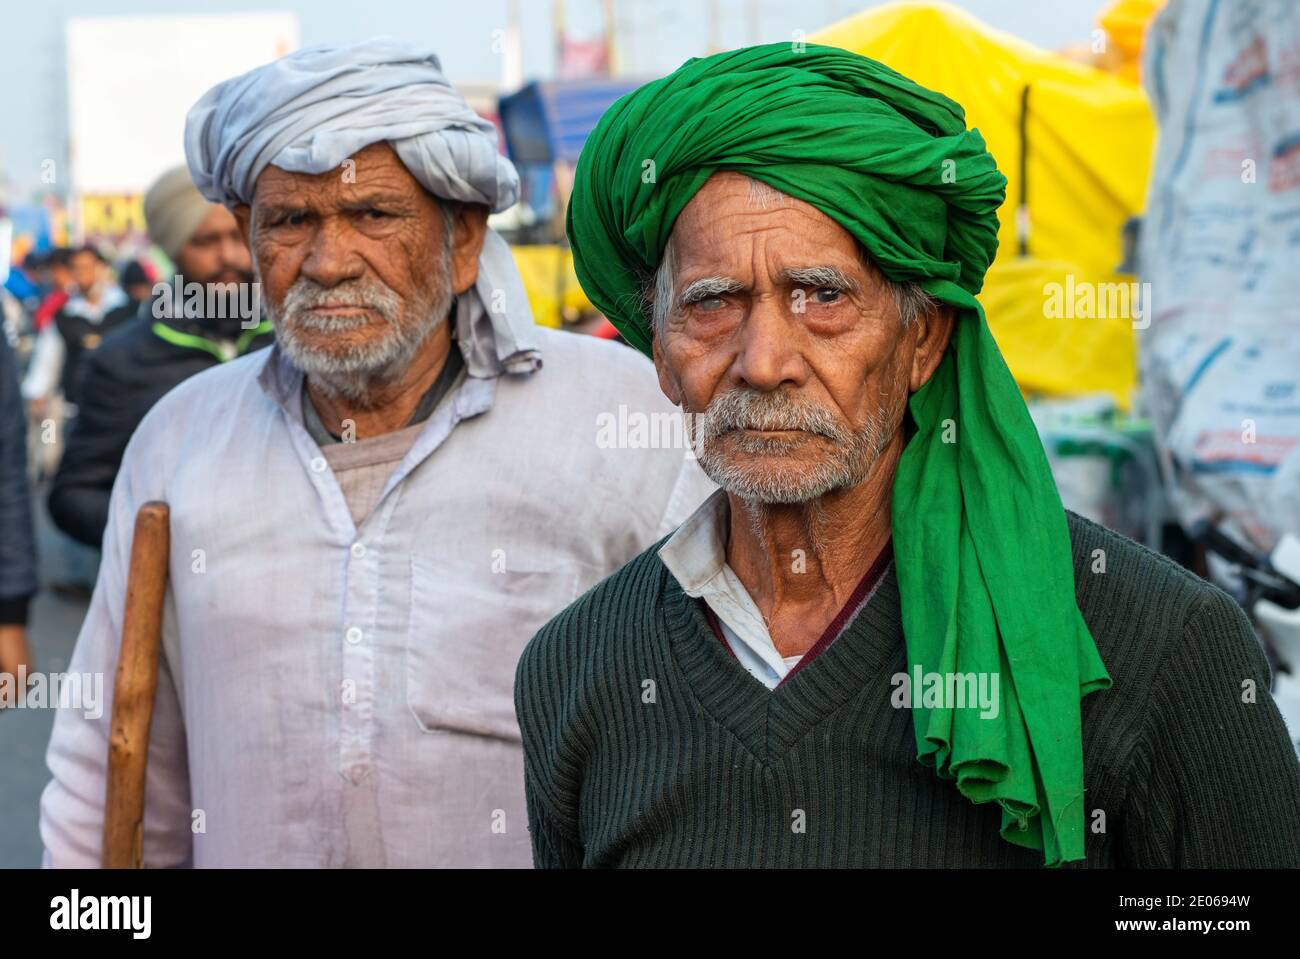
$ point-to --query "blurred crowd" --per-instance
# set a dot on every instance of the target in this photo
(83, 358)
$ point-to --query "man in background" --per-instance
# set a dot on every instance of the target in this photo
(136, 281)
(156, 350)
(17, 541)
(53, 274)
(96, 306)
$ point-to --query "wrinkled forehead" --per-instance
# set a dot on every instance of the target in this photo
(731, 187)
(372, 172)
(732, 212)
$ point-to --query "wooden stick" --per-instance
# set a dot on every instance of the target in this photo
(134, 688)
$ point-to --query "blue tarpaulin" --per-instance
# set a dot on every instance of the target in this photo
(548, 121)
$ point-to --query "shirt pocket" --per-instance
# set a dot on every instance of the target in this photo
(467, 630)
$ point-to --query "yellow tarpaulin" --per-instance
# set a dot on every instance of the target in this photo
(551, 284)
(1125, 23)
(1087, 140)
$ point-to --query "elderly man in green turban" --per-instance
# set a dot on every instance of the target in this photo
(883, 642)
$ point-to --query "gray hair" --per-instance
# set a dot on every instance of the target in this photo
(448, 209)
(658, 289)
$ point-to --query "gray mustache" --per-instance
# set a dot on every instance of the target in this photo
(744, 409)
(306, 294)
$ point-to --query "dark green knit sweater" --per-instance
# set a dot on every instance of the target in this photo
(647, 744)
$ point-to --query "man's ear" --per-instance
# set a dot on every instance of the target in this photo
(667, 382)
(469, 230)
(244, 217)
(933, 330)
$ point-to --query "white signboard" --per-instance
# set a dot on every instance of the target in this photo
(131, 81)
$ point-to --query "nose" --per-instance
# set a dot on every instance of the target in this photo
(331, 259)
(768, 357)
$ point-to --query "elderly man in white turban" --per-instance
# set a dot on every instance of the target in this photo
(371, 519)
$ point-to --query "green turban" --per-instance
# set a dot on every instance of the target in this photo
(980, 538)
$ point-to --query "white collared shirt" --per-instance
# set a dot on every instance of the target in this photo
(696, 555)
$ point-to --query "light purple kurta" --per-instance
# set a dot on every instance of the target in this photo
(333, 695)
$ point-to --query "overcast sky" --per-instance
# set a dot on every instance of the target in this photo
(654, 37)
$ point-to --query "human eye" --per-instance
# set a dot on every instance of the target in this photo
(287, 218)
(709, 296)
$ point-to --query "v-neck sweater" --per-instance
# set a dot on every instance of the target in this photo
(857, 599)
(646, 744)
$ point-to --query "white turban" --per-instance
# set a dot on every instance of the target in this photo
(311, 110)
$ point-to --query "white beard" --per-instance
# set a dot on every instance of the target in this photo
(853, 456)
(353, 375)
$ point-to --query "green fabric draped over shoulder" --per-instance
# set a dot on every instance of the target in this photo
(980, 538)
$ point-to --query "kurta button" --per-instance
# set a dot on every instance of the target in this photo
(318, 465)
(358, 550)
(354, 635)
